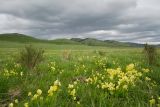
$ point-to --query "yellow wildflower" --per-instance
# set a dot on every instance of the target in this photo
(10, 105)
(50, 94)
(130, 67)
(75, 82)
(73, 92)
(26, 105)
(35, 97)
(147, 79)
(57, 82)
(29, 93)
(39, 92)
(41, 98)
(125, 87)
(78, 102)
(70, 86)
(145, 70)
(152, 102)
(55, 88)
(16, 101)
(21, 73)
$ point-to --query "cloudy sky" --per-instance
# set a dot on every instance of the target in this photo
(122, 20)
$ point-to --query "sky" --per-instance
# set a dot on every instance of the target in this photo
(122, 20)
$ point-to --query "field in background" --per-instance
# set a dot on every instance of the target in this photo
(81, 77)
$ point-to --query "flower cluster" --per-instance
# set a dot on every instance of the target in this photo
(38, 95)
(54, 88)
(116, 79)
(72, 91)
(8, 73)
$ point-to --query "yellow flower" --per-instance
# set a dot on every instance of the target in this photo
(74, 98)
(152, 101)
(29, 93)
(73, 92)
(26, 105)
(57, 82)
(78, 102)
(41, 98)
(10, 105)
(39, 92)
(145, 70)
(125, 87)
(21, 73)
(158, 105)
(130, 67)
(75, 82)
(55, 88)
(50, 94)
(16, 101)
(70, 86)
(35, 97)
(147, 79)
(52, 88)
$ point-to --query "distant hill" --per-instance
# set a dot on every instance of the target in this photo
(111, 43)
(15, 37)
(95, 42)
(63, 41)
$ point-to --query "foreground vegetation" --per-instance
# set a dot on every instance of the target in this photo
(78, 76)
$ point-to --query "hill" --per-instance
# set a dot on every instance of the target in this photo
(111, 43)
(64, 41)
(15, 37)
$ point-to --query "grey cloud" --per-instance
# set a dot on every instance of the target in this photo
(132, 20)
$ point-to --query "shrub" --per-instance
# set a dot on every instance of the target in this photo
(31, 56)
(101, 53)
(150, 53)
(67, 54)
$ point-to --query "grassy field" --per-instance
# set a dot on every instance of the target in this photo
(79, 76)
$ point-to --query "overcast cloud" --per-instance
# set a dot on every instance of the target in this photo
(122, 20)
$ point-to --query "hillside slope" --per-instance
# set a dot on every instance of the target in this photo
(15, 37)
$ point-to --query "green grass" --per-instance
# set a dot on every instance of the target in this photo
(85, 62)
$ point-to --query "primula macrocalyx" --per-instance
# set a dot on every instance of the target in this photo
(16, 101)
(39, 91)
(55, 88)
(125, 87)
(29, 93)
(73, 92)
(35, 97)
(50, 93)
(130, 67)
(70, 86)
(145, 70)
(10, 105)
(152, 101)
(57, 82)
(26, 105)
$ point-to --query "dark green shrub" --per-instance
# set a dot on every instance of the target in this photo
(31, 56)
(67, 55)
(101, 53)
(150, 53)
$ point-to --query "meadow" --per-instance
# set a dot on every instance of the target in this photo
(79, 76)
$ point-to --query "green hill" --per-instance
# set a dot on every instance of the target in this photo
(95, 42)
(15, 37)
(64, 41)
